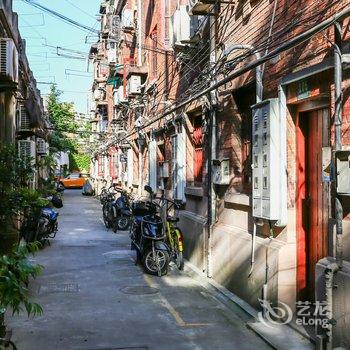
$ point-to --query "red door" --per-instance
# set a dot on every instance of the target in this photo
(311, 199)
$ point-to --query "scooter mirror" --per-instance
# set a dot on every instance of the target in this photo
(148, 189)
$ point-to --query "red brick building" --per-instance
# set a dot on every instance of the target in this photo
(275, 186)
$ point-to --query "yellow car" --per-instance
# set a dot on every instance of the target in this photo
(74, 180)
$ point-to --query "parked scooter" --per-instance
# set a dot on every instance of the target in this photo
(122, 215)
(107, 206)
(39, 223)
(148, 236)
(117, 212)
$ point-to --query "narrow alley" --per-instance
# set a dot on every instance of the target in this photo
(94, 297)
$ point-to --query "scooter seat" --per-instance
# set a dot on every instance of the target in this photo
(172, 219)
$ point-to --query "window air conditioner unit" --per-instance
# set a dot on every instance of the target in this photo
(134, 85)
(23, 119)
(26, 149)
(41, 146)
(8, 59)
(127, 19)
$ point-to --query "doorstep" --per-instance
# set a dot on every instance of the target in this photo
(278, 336)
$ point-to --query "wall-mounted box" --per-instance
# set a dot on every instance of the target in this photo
(342, 159)
(221, 171)
(268, 161)
(41, 146)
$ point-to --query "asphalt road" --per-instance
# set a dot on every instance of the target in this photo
(94, 297)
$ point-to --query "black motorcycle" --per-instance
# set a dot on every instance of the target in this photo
(122, 214)
(148, 236)
(40, 223)
(116, 212)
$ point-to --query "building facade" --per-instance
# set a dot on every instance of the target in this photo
(240, 110)
(22, 119)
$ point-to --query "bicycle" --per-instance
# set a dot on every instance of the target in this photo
(174, 234)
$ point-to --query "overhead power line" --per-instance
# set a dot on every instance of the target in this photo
(61, 17)
(297, 40)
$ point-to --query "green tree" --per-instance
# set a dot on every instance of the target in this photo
(61, 115)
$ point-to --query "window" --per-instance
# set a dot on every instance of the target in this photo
(197, 138)
(166, 23)
(100, 166)
(198, 165)
(113, 165)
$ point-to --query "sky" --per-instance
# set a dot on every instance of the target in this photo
(40, 29)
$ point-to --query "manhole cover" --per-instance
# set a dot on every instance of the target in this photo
(139, 290)
(59, 288)
(125, 348)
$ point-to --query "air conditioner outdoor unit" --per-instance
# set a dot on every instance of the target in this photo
(8, 59)
(26, 149)
(41, 146)
(184, 24)
(134, 84)
(23, 119)
(93, 106)
(183, 27)
(127, 19)
(112, 52)
(202, 7)
(99, 94)
(118, 95)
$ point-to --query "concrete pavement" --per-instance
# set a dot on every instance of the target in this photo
(94, 297)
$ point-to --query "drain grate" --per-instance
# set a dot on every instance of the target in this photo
(139, 290)
(59, 288)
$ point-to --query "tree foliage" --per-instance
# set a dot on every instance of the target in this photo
(80, 162)
(61, 115)
(15, 271)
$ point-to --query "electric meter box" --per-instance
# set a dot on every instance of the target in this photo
(221, 171)
(343, 172)
(268, 161)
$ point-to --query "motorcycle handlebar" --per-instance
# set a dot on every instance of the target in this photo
(177, 205)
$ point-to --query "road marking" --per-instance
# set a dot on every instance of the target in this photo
(170, 308)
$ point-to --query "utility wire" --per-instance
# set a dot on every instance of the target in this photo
(258, 48)
(61, 17)
(297, 40)
(80, 9)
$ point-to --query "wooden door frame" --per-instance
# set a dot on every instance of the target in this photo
(311, 106)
